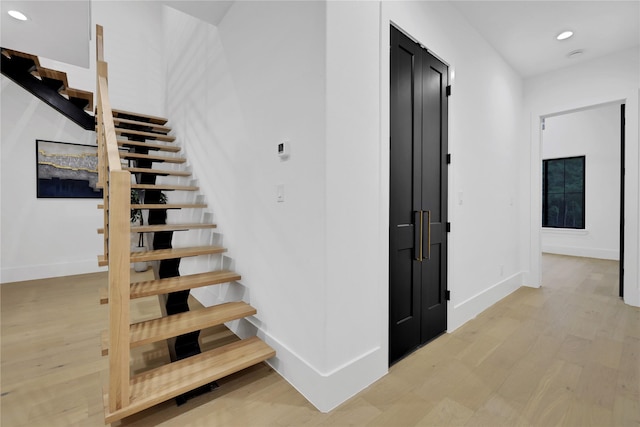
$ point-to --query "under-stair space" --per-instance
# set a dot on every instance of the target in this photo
(51, 86)
(138, 156)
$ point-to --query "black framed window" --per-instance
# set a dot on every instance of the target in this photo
(563, 200)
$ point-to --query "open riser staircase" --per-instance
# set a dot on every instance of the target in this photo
(51, 86)
(129, 145)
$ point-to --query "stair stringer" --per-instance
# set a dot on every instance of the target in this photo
(18, 70)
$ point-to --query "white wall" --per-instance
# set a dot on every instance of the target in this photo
(485, 140)
(233, 93)
(595, 134)
(40, 237)
(57, 237)
(316, 266)
(133, 48)
(601, 81)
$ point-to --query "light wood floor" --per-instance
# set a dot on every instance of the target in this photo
(565, 354)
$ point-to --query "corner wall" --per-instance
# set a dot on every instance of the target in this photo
(233, 93)
(601, 81)
(486, 143)
(316, 266)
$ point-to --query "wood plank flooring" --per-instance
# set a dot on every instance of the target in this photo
(566, 354)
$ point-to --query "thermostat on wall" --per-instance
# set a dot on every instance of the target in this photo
(283, 150)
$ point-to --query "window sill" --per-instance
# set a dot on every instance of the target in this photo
(565, 231)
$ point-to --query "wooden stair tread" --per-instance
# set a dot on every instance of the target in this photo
(153, 126)
(159, 147)
(170, 227)
(144, 117)
(152, 157)
(34, 58)
(167, 187)
(165, 206)
(148, 135)
(48, 73)
(163, 328)
(171, 253)
(170, 206)
(175, 284)
(181, 283)
(157, 171)
(163, 383)
(80, 94)
(165, 227)
(104, 343)
(42, 73)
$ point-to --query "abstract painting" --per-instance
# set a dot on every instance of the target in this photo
(66, 170)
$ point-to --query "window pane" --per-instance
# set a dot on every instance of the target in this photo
(573, 210)
(555, 210)
(555, 176)
(563, 192)
(573, 175)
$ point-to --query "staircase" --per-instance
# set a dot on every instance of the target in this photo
(128, 145)
(51, 86)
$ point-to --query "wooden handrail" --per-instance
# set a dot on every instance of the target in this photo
(113, 155)
(116, 185)
(99, 43)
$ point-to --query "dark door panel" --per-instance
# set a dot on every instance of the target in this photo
(418, 197)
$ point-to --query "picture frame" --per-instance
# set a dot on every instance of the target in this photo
(66, 170)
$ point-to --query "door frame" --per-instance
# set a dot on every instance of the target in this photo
(385, 159)
(534, 278)
(622, 199)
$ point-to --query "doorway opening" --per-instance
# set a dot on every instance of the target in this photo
(582, 195)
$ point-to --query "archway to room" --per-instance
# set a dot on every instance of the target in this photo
(582, 199)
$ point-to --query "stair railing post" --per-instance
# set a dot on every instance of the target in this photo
(117, 206)
(119, 281)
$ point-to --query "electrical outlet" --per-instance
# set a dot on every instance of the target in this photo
(280, 193)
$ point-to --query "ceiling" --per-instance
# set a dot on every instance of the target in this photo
(49, 23)
(523, 32)
(61, 30)
(209, 11)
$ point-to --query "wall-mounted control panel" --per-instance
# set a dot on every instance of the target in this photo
(283, 150)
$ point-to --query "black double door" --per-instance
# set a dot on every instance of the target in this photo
(418, 197)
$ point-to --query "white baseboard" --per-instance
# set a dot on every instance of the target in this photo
(582, 252)
(462, 312)
(324, 390)
(44, 271)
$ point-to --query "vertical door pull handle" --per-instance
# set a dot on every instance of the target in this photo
(429, 235)
(418, 215)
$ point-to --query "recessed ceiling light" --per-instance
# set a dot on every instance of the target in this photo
(575, 53)
(564, 35)
(17, 15)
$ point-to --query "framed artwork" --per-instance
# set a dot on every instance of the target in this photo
(66, 170)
